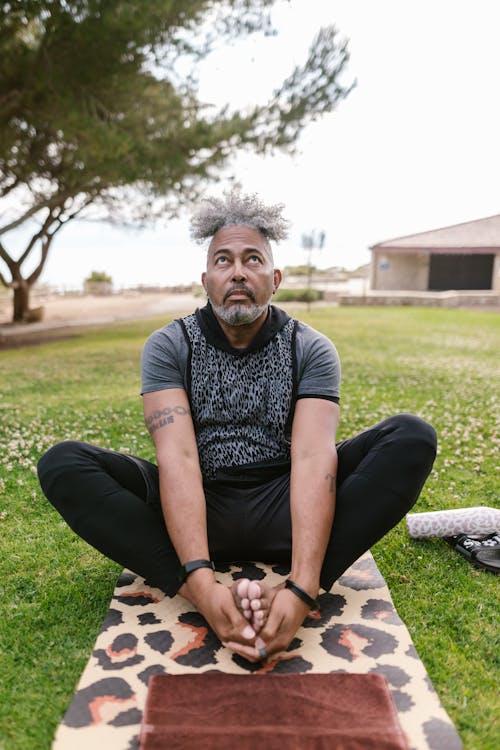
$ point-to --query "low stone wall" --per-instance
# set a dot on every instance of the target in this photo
(425, 299)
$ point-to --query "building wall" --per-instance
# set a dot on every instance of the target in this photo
(398, 271)
(495, 281)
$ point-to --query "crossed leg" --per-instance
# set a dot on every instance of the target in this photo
(98, 491)
(381, 473)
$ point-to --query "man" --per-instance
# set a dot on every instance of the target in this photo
(242, 403)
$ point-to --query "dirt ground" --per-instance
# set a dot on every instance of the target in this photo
(86, 308)
(65, 313)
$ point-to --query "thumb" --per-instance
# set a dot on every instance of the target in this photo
(248, 632)
(271, 628)
(240, 624)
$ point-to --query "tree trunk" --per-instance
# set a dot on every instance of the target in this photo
(21, 300)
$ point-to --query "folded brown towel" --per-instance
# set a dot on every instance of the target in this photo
(219, 711)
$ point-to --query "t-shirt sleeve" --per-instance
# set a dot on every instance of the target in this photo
(318, 365)
(163, 361)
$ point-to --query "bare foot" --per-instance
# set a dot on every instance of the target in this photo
(253, 599)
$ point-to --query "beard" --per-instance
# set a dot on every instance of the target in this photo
(239, 315)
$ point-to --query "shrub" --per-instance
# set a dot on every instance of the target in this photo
(98, 277)
(98, 283)
(298, 295)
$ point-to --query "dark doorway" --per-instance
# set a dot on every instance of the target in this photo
(460, 272)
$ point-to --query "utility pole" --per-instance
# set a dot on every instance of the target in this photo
(310, 242)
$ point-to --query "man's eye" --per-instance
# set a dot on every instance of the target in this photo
(221, 260)
(254, 259)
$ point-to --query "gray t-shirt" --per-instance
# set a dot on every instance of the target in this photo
(165, 356)
(242, 401)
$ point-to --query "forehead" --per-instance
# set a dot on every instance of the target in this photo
(237, 239)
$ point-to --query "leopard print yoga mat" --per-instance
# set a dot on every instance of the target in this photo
(146, 633)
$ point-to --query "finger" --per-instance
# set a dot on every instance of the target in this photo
(237, 620)
(236, 627)
(272, 626)
(240, 628)
(248, 632)
(273, 647)
(248, 652)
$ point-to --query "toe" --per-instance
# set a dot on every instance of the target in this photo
(242, 588)
(258, 620)
(254, 590)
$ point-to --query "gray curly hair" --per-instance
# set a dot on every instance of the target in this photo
(237, 209)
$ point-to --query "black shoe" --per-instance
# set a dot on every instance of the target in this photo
(484, 552)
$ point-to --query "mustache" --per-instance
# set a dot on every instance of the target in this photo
(240, 288)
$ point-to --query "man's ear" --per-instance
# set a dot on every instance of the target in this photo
(203, 280)
(277, 276)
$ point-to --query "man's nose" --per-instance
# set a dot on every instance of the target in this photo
(239, 271)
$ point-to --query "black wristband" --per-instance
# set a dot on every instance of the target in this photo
(188, 568)
(303, 595)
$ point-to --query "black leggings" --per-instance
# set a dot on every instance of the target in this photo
(112, 501)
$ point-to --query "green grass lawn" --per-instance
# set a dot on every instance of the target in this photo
(440, 364)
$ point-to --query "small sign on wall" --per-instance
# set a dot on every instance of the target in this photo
(384, 264)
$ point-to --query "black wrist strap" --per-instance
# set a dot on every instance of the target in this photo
(189, 567)
(303, 595)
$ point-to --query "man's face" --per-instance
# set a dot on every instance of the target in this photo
(240, 277)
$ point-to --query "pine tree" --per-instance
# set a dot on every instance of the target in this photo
(93, 113)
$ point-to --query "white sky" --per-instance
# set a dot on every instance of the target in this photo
(414, 147)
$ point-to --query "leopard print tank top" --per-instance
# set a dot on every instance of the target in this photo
(242, 402)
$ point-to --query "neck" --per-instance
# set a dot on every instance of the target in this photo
(240, 337)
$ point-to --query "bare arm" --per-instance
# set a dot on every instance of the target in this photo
(168, 419)
(312, 488)
(170, 425)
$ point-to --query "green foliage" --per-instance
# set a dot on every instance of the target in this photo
(440, 364)
(98, 277)
(298, 295)
(303, 270)
(95, 111)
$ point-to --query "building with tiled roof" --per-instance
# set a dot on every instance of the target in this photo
(462, 256)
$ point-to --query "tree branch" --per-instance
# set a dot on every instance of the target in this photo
(17, 222)
(43, 232)
(47, 236)
(4, 281)
(44, 254)
(7, 259)
(56, 200)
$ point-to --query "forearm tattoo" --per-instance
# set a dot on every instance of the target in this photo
(331, 478)
(162, 417)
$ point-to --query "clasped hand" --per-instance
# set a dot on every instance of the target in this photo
(286, 615)
(217, 604)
